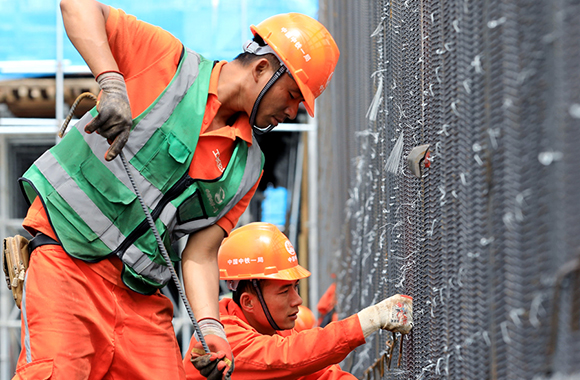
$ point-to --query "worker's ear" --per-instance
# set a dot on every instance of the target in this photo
(247, 302)
(259, 68)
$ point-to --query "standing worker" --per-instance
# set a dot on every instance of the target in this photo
(327, 306)
(261, 268)
(91, 307)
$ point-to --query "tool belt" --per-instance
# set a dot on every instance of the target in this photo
(15, 257)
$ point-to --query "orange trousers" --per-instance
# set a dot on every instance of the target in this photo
(80, 322)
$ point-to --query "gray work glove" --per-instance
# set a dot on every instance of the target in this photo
(394, 314)
(114, 120)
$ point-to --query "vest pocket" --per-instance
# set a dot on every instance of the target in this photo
(191, 209)
(72, 222)
(162, 160)
(108, 197)
(106, 183)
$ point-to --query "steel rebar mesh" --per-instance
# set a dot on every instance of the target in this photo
(479, 240)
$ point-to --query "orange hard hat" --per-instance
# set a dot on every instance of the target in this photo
(305, 319)
(305, 47)
(259, 251)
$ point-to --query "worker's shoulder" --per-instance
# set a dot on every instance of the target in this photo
(122, 26)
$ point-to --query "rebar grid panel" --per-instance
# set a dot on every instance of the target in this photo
(484, 240)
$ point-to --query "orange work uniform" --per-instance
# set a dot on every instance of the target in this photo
(79, 321)
(307, 355)
(326, 306)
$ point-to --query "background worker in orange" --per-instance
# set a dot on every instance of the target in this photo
(260, 266)
(326, 306)
(80, 320)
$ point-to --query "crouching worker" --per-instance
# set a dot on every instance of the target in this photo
(261, 268)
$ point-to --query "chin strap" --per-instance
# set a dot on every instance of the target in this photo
(270, 83)
(253, 47)
(264, 307)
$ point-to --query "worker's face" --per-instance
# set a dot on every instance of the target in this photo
(283, 300)
(280, 102)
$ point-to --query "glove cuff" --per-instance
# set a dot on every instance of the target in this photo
(370, 320)
(108, 71)
(112, 82)
(211, 326)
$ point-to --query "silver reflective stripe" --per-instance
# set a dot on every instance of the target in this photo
(249, 178)
(167, 103)
(168, 215)
(79, 201)
(141, 264)
(24, 315)
(144, 266)
(99, 147)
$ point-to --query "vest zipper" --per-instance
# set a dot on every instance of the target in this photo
(143, 227)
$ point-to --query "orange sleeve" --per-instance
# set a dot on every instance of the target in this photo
(37, 221)
(303, 353)
(332, 372)
(147, 56)
(230, 220)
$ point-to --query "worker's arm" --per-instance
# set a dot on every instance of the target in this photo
(84, 21)
(299, 354)
(201, 273)
(201, 279)
(305, 353)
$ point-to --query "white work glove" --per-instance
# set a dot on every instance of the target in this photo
(114, 120)
(394, 314)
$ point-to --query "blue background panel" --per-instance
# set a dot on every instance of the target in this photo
(214, 28)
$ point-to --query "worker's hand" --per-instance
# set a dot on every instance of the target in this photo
(114, 119)
(219, 363)
(393, 314)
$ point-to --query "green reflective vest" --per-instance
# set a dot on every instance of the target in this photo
(91, 204)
